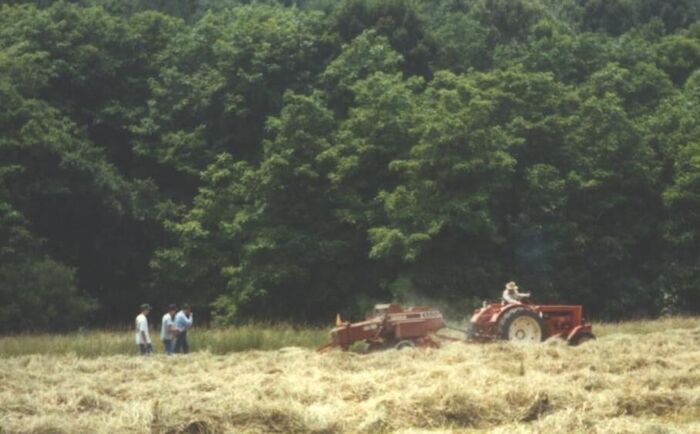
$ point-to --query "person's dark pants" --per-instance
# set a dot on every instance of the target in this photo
(145, 349)
(181, 344)
(168, 345)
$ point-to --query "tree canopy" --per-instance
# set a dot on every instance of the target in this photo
(288, 159)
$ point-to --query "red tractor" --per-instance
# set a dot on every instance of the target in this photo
(523, 322)
(392, 326)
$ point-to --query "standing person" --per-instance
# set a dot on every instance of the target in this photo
(167, 329)
(511, 294)
(143, 339)
(183, 321)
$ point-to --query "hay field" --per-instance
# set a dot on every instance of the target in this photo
(99, 343)
(637, 378)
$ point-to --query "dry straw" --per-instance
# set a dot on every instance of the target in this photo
(626, 382)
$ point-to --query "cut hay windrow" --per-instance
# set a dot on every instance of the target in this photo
(621, 383)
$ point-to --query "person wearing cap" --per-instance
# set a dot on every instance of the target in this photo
(511, 294)
(183, 321)
(143, 339)
(167, 330)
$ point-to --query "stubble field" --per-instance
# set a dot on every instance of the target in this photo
(637, 378)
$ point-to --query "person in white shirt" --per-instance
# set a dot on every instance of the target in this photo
(143, 339)
(167, 330)
(511, 294)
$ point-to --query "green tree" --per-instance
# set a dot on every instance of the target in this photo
(612, 16)
(61, 181)
(441, 217)
(265, 240)
(614, 206)
(378, 129)
(465, 42)
(398, 20)
(36, 292)
(366, 54)
(40, 295)
(555, 48)
(220, 79)
(283, 158)
(675, 15)
(510, 20)
(679, 56)
(677, 130)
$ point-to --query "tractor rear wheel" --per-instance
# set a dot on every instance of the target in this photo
(405, 344)
(521, 325)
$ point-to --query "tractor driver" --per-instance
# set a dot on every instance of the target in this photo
(511, 294)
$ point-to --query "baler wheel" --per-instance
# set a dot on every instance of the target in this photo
(521, 325)
(405, 344)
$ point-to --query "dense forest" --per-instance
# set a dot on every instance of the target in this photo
(287, 160)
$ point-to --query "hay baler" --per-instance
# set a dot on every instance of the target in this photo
(390, 325)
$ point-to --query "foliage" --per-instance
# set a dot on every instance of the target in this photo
(40, 294)
(287, 159)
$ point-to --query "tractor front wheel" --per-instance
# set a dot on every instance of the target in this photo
(521, 325)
